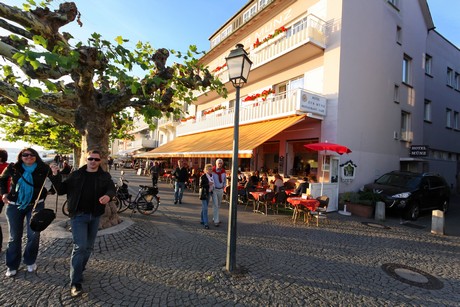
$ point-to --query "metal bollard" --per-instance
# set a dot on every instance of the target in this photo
(380, 211)
(437, 222)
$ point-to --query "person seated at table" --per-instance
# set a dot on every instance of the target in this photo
(302, 187)
(255, 178)
(278, 183)
(264, 180)
(244, 181)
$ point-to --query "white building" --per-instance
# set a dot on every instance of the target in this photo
(372, 75)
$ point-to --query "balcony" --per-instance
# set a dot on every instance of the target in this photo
(312, 32)
(296, 102)
(144, 143)
(307, 41)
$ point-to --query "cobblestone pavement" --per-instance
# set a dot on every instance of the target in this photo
(169, 259)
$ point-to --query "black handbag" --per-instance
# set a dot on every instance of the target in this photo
(41, 219)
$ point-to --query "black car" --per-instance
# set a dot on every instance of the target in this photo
(410, 192)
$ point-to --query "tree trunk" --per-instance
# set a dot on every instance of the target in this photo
(94, 125)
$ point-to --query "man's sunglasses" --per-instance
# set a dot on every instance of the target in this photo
(94, 159)
(25, 155)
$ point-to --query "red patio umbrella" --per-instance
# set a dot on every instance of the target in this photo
(340, 149)
(331, 147)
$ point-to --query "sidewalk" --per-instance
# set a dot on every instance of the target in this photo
(169, 259)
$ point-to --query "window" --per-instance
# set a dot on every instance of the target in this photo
(448, 118)
(427, 111)
(406, 69)
(457, 81)
(405, 126)
(456, 123)
(394, 3)
(226, 33)
(428, 62)
(249, 13)
(398, 35)
(297, 27)
(396, 94)
(262, 3)
(450, 77)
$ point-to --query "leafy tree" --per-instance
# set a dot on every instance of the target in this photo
(88, 87)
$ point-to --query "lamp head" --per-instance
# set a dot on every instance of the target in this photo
(239, 65)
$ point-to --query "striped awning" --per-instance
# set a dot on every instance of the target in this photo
(219, 143)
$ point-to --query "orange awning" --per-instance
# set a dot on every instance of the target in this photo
(219, 143)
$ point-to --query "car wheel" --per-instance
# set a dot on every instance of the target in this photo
(413, 212)
(445, 206)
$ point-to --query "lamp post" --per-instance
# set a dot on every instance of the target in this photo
(238, 64)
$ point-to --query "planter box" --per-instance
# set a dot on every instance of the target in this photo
(360, 210)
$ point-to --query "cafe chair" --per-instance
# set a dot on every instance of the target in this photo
(226, 196)
(267, 201)
(250, 199)
(280, 199)
(320, 212)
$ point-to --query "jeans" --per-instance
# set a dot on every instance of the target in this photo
(84, 232)
(204, 210)
(15, 219)
(179, 188)
(216, 202)
(154, 180)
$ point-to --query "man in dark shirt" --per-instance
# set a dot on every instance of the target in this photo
(181, 175)
(155, 171)
(89, 189)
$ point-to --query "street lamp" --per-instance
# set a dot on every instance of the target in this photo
(238, 64)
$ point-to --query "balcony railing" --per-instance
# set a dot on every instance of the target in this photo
(285, 104)
(314, 31)
(145, 143)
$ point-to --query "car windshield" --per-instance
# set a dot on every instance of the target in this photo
(399, 180)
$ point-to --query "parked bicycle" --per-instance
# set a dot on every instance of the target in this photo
(146, 201)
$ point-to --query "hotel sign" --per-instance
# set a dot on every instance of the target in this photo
(419, 151)
(311, 103)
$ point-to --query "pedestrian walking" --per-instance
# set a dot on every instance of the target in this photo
(180, 175)
(206, 190)
(155, 171)
(88, 190)
(220, 181)
(27, 177)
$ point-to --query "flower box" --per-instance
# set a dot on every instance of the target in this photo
(361, 210)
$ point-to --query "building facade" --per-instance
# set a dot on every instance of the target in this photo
(371, 75)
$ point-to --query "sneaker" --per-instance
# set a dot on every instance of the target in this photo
(180, 202)
(76, 290)
(216, 225)
(175, 202)
(10, 272)
(31, 268)
(206, 226)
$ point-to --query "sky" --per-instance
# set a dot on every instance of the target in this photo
(176, 24)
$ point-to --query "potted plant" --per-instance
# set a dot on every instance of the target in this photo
(359, 203)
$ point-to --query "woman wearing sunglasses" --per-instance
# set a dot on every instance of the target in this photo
(27, 177)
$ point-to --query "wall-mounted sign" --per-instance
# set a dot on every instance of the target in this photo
(418, 151)
(348, 170)
(311, 103)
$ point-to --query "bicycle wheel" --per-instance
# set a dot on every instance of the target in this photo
(122, 205)
(148, 204)
(65, 210)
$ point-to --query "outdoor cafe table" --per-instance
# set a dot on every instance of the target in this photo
(258, 196)
(296, 202)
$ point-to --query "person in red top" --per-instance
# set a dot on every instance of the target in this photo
(3, 165)
(220, 181)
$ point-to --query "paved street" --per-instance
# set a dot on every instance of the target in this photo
(169, 259)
